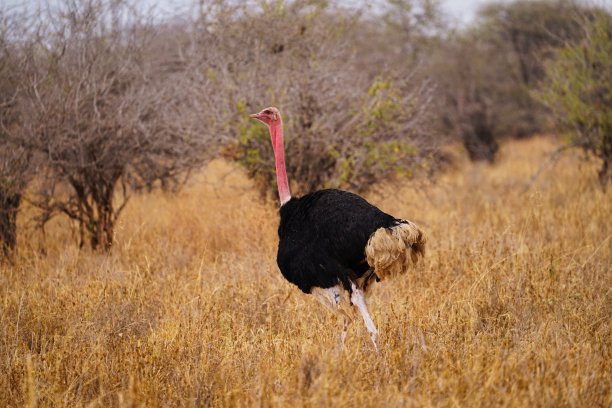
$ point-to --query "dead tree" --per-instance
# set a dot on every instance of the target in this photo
(16, 162)
(104, 115)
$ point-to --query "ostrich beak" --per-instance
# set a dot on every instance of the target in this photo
(254, 116)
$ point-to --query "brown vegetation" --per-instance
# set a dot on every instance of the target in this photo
(96, 107)
(510, 308)
(99, 103)
(112, 101)
(105, 100)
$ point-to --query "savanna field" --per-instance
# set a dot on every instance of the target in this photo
(510, 307)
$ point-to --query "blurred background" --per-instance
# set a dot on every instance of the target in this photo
(103, 99)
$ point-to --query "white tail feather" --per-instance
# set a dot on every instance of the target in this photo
(389, 249)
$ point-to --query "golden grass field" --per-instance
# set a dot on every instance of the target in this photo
(511, 306)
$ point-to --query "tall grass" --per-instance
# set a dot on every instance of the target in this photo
(511, 306)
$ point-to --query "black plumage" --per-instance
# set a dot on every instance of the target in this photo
(322, 237)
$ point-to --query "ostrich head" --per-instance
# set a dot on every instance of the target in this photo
(270, 116)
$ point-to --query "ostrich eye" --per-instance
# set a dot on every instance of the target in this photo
(267, 112)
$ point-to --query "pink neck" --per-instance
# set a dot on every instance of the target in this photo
(276, 133)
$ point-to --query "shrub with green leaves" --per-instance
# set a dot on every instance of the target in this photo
(381, 134)
(345, 126)
(578, 91)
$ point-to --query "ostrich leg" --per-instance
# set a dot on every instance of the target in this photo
(358, 300)
(345, 327)
(334, 301)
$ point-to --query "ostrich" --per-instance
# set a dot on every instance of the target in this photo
(333, 244)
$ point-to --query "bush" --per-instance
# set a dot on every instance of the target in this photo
(578, 90)
(107, 118)
(379, 135)
(345, 126)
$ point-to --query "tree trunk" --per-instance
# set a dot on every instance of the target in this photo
(102, 234)
(95, 210)
(479, 139)
(605, 176)
(9, 205)
(103, 226)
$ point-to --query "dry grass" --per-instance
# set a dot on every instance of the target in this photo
(510, 308)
